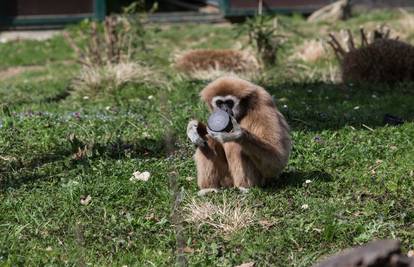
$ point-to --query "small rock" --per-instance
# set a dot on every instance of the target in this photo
(140, 176)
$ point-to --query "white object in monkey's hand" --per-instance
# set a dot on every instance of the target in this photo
(219, 121)
(223, 137)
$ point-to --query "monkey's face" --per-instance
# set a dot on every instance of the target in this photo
(229, 104)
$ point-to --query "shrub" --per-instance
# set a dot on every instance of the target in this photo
(106, 53)
(264, 35)
(378, 59)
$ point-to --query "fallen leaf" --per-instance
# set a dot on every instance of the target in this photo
(266, 224)
(357, 213)
(188, 250)
(152, 217)
(85, 200)
(140, 176)
(247, 264)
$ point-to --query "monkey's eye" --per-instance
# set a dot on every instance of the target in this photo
(229, 103)
(219, 103)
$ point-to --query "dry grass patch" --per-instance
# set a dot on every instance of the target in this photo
(311, 51)
(211, 64)
(112, 77)
(107, 54)
(331, 74)
(405, 23)
(228, 217)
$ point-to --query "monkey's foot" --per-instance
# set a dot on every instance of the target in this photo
(206, 191)
(243, 190)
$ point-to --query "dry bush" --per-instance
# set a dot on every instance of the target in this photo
(228, 217)
(109, 78)
(377, 59)
(106, 56)
(210, 64)
(95, 47)
(265, 35)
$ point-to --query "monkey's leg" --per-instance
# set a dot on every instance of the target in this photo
(212, 167)
(241, 167)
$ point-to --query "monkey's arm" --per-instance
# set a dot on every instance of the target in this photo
(266, 156)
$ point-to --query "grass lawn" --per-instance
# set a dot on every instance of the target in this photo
(349, 180)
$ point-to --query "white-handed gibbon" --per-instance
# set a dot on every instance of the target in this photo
(256, 149)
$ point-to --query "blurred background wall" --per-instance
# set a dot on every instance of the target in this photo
(52, 13)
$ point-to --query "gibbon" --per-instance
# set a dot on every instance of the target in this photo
(254, 152)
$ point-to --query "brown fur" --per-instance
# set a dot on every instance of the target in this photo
(261, 153)
(227, 60)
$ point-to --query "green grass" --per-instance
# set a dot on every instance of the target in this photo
(361, 171)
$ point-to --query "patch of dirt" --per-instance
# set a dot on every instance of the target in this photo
(14, 71)
(39, 35)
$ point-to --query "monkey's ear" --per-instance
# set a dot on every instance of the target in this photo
(249, 100)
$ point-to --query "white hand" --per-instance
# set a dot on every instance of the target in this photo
(224, 137)
(193, 135)
(207, 191)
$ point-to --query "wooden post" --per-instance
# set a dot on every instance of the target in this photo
(260, 8)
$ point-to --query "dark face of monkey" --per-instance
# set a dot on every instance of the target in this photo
(229, 104)
(234, 106)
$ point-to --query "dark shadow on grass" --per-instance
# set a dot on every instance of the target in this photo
(319, 106)
(18, 172)
(297, 179)
(147, 147)
(59, 96)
